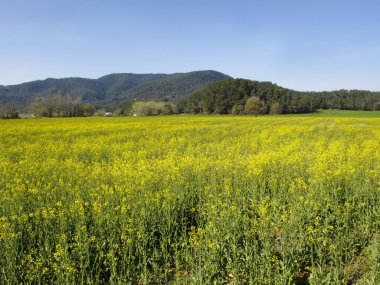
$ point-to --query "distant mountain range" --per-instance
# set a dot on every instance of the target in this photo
(112, 88)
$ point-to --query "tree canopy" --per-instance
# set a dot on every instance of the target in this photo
(241, 96)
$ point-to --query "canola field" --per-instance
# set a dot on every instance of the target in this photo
(190, 200)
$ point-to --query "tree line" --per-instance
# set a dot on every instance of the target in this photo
(229, 96)
(59, 105)
(241, 96)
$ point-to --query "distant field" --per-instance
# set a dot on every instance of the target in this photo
(342, 114)
(190, 200)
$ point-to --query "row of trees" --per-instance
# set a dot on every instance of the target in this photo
(348, 100)
(9, 111)
(61, 106)
(64, 106)
(149, 108)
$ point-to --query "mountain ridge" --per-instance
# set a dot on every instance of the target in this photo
(110, 88)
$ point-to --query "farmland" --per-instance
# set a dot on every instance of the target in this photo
(190, 200)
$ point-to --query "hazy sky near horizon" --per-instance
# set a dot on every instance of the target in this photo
(298, 44)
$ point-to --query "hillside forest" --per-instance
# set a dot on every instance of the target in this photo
(203, 92)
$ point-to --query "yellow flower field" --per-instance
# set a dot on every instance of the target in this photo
(190, 200)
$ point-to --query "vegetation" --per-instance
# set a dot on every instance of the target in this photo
(342, 114)
(9, 111)
(110, 90)
(61, 106)
(190, 200)
(241, 96)
(149, 108)
(208, 92)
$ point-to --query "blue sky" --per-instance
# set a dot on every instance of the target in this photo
(298, 44)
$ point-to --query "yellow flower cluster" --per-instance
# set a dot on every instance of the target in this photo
(186, 199)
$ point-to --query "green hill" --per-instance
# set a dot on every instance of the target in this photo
(111, 88)
(242, 96)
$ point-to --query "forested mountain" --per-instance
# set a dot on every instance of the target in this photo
(193, 92)
(241, 96)
(111, 89)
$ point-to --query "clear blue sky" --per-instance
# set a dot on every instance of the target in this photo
(299, 44)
